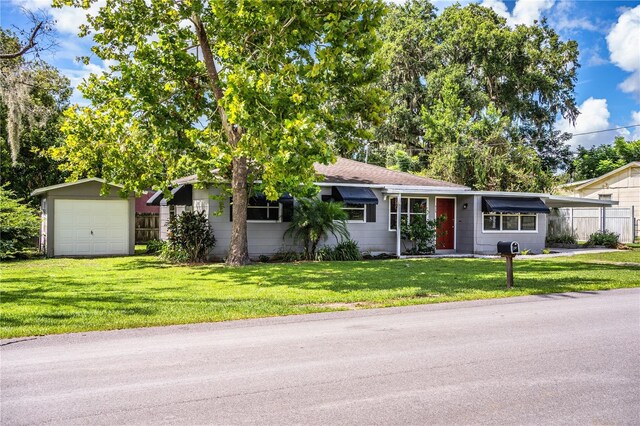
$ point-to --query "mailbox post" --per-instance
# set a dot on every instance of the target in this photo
(509, 250)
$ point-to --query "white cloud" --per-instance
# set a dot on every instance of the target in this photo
(594, 116)
(524, 11)
(568, 18)
(68, 19)
(624, 48)
(592, 56)
(498, 6)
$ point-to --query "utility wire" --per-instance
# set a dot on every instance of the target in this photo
(605, 130)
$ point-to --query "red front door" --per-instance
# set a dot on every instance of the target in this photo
(446, 231)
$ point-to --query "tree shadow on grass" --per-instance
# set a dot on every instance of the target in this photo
(443, 276)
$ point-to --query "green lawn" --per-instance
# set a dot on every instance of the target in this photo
(48, 296)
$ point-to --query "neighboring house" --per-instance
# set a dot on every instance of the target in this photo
(621, 185)
(475, 220)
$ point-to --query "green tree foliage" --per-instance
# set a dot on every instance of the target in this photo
(409, 59)
(479, 151)
(19, 225)
(598, 160)
(314, 220)
(32, 98)
(258, 90)
(456, 71)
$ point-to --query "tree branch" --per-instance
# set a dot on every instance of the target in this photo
(233, 133)
(30, 44)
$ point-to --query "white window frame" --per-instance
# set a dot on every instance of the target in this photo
(506, 231)
(408, 213)
(345, 207)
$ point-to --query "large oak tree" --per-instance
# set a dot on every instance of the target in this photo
(258, 90)
(523, 75)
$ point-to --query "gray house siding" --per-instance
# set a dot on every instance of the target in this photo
(263, 238)
(267, 238)
(374, 237)
(83, 191)
(486, 242)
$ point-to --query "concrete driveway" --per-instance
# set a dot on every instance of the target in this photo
(567, 358)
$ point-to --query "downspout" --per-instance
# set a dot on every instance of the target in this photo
(399, 213)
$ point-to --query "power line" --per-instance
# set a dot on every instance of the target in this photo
(605, 130)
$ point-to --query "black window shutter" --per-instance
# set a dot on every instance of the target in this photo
(287, 211)
(371, 212)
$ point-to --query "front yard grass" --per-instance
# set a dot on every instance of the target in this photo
(48, 296)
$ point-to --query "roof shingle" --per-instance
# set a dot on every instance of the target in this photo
(351, 171)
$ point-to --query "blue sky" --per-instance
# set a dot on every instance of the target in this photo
(608, 33)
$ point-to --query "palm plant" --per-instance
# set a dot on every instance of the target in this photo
(314, 220)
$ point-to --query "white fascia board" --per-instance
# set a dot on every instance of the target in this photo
(353, 185)
(438, 190)
(63, 185)
(556, 200)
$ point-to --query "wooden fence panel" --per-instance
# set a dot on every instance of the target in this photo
(147, 227)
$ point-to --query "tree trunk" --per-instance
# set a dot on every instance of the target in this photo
(238, 247)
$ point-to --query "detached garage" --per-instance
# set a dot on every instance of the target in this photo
(78, 221)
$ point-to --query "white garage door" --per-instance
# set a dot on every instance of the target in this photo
(91, 227)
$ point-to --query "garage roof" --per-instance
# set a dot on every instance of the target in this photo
(78, 182)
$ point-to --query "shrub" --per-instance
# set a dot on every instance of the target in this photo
(284, 255)
(345, 250)
(562, 238)
(19, 225)
(264, 258)
(422, 234)
(325, 254)
(190, 238)
(604, 238)
(313, 220)
(155, 246)
(174, 254)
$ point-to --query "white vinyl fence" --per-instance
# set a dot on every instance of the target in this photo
(583, 222)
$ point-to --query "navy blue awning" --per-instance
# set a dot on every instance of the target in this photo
(513, 205)
(354, 195)
(182, 196)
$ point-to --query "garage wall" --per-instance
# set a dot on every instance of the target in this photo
(84, 191)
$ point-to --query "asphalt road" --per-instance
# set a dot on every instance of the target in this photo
(571, 358)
